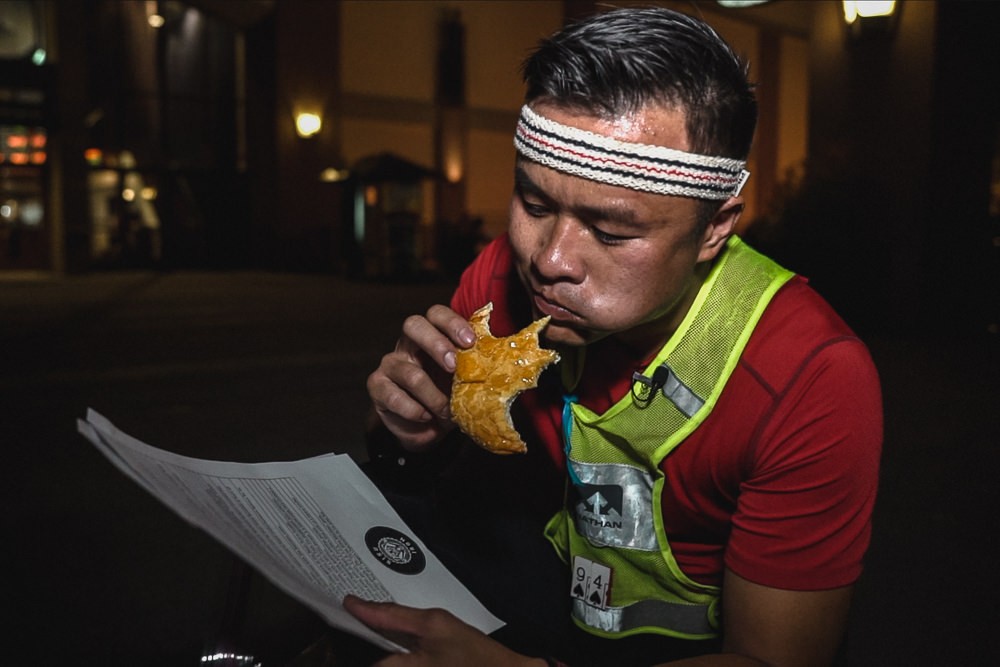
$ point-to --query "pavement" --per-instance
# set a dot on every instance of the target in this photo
(257, 366)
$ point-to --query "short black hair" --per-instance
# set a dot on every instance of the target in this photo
(621, 60)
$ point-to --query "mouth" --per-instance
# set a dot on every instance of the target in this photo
(567, 327)
(558, 312)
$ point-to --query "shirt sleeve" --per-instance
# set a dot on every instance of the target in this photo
(803, 515)
(476, 284)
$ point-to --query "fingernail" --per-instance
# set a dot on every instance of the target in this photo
(449, 361)
(467, 336)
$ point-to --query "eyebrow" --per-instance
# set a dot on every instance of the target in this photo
(614, 214)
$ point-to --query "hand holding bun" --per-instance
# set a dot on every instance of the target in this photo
(490, 375)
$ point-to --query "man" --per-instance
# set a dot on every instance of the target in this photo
(717, 426)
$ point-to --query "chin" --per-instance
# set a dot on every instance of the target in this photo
(562, 336)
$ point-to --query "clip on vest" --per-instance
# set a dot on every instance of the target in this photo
(651, 385)
(665, 380)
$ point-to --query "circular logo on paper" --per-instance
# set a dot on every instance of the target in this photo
(395, 550)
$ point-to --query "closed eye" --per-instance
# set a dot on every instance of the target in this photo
(537, 204)
(608, 239)
(535, 210)
(533, 203)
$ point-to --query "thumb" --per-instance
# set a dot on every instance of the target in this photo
(395, 622)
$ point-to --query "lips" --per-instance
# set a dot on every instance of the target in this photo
(557, 311)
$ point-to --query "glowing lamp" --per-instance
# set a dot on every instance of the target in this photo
(869, 18)
(334, 175)
(453, 167)
(864, 9)
(308, 124)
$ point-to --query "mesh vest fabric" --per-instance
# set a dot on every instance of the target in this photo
(630, 440)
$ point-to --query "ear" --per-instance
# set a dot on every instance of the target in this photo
(720, 228)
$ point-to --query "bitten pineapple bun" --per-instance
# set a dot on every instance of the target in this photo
(490, 375)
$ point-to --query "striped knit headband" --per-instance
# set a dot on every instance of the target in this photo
(627, 164)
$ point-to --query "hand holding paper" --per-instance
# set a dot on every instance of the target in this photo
(318, 528)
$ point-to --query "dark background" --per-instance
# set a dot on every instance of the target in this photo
(232, 357)
(256, 366)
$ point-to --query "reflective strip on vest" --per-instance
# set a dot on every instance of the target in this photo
(691, 619)
(680, 394)
(613, 505)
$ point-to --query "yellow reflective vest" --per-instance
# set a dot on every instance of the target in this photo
(625, 579)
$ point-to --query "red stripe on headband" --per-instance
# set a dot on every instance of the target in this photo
(629, 165)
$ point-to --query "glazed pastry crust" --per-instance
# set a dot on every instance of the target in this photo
(490, 375)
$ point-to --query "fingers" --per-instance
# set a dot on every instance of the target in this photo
(411, 387)
(454, 325)
(403, 386)
(407, 626)
(433, 637)
(437, 335)
(385, 618)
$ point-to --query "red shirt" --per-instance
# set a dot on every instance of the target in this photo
(778, 484)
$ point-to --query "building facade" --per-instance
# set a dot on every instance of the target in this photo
(163, 133)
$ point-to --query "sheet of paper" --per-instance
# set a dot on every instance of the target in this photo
(318, 528)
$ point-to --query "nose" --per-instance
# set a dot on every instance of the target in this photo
(559, 255)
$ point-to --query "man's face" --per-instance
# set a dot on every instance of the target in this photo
(601, 259)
